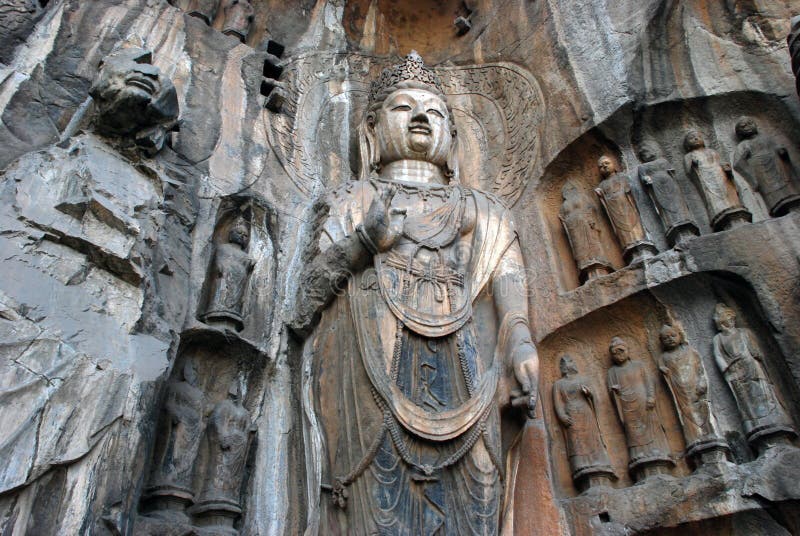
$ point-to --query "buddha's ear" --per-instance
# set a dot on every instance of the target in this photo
(452, 160)
(368, 146)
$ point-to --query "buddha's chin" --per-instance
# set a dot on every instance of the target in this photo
(419, 144)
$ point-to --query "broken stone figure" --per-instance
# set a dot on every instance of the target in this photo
(633, 391)
(578, 215)
(615, 193)
(767, 167)
(715, 182)
(230, 272)
(685, 375)
(741, 361)
(574, 404)
(238, 18)
(178, 437)
(405, 395)
(658, 177)
(205, 10)
(228, 436)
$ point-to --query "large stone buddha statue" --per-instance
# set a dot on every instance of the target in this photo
(416, 303)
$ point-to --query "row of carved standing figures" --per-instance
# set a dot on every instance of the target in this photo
(759, 159)
(237, 14)
(633, 391)
(189, 424)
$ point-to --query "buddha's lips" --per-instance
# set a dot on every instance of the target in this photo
(419, 129)
(142, 82)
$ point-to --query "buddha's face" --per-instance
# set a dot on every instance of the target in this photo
(726, 320)
(240, 235)
(647, 153)
(746, 128)
(567, 366)
(413, 124)
(131, 94)
(619, 352)
(693, 140)
(606, 166)
(670, 337)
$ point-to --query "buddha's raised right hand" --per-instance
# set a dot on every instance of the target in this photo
(383, 224)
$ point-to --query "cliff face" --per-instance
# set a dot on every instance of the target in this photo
(114, 263)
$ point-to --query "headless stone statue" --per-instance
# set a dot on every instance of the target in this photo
(205, 10)
(632, 388)
(715, 182)
(658, 177)
(228, 439)
(229, 275)
(238, 18)
(767, 167)
(573, 401)
(686, 377)
(578, 215)
(739, 358)
(614, 191)
(179, 435)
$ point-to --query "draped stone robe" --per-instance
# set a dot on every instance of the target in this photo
(401, 396)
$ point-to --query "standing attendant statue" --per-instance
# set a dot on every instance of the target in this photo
(767, 167)
(574, 404)
(578, 215)
(634, 393)
(658, 177)
(740, 359)
(404, 400)
(178, 439)
(228, 438)
(238, 19)
(715, 182)
(685, 375)
(614, 191)
(229, 275)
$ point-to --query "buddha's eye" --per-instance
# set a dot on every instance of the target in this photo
(401, 108)
(437, 113)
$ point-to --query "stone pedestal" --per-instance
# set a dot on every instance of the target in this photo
(731, 218)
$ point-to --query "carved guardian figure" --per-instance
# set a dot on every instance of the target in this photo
(578, 215)
(685, 375)
(614, 191)
(715, 182)
(658, 177)
(574, 404)
(633, 391)
(739, 358)
(403, 396)
(767, 167)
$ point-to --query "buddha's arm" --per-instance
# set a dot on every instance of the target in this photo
(510, 291)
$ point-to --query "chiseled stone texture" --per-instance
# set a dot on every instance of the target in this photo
(102, 286)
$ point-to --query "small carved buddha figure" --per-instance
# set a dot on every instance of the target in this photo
(767, 167)
(614, 191)
(229, 275)
(573, 401)
(740, 359)
(658, 177)
(715, 182)
(578, 215)
(228, 437)
(685, 375)
(205, 10)
(178, 440)
(238, 18)
(633, 391)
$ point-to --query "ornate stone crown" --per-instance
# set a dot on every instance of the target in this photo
(412, 71)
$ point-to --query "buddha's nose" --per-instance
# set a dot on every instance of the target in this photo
(148, 70)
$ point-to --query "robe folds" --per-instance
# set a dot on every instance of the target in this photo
(401, 375)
